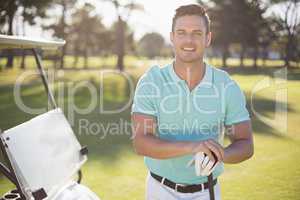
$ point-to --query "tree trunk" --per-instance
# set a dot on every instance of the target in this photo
(63, 19)
(289, 50)
(225, 56)
(85, 58)
(256, 52)
(287, 57)
(23, 59)
(10, 57)
(265, 55)
(242, 55)
(76, 55)
(23, 65)
(120, 44)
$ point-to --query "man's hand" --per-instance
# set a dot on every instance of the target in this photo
(208, 154)
(203, 166)
(212, 149)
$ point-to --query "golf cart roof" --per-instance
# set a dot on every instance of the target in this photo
(12, 42)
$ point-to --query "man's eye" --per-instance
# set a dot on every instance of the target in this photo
(180, 33)
(198, 33)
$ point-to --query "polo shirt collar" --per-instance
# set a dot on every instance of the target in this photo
(206, 82)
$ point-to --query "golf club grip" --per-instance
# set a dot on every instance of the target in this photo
(211, 187)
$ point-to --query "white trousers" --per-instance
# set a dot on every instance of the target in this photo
(157, 191)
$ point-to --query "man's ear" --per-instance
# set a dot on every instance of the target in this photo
(172, 36)
(208, 39)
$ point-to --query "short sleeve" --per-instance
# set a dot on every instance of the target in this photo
(145, 97)
(236, 110)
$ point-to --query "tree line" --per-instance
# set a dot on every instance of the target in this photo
(256, 27)
(247, 28)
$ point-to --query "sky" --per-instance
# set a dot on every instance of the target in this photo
(156, 17)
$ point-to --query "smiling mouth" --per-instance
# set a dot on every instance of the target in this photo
(189, 49)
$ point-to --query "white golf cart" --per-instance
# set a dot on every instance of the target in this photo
(42, 155)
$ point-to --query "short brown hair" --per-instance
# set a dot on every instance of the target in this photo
(192, 9)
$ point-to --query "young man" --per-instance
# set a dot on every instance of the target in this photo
(179, 110)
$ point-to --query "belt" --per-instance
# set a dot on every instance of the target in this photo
(182, 188)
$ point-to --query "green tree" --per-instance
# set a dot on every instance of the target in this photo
(30, 9)
(151, 45)
(123, 12)
(287, 22)
(239, 22)
(86, 32)
(253, 28)
(223, 28)
(129, 42)
(61, 29)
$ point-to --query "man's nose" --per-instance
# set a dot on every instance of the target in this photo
(189, 38)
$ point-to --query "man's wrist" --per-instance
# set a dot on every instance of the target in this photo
(194, 147)
(226, 154)
(188, 147)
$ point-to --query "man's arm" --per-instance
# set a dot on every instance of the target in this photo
(241, 147)
(238, 125)
(146, 143)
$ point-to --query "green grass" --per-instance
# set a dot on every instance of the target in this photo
(94, 62)
(109, 62)
(114, 171)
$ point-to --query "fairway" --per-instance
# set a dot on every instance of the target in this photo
(115, 172)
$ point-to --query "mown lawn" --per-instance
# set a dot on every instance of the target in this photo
(114, 171)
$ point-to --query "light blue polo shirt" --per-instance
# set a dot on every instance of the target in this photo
(184, 115)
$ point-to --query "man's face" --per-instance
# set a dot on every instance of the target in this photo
(190, 38)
